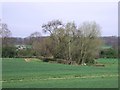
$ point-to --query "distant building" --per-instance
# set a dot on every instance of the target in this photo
(21, 47)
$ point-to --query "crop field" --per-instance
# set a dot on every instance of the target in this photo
(18, 73)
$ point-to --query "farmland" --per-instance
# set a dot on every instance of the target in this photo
(17, 73)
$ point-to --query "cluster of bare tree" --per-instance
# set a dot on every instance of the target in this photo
(69, 42)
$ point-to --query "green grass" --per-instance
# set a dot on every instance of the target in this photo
(37, 74)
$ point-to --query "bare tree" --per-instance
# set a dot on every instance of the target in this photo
(36, 34)
(51, 26)
(35, 37)
(5, 33)
(70, 29)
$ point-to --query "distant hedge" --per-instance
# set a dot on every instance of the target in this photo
(9, 51)
(108, 53)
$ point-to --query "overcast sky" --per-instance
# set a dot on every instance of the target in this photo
(26, 18)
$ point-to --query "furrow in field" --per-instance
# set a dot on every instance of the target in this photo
(56, 78)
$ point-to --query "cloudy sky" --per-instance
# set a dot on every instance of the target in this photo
(24, 18)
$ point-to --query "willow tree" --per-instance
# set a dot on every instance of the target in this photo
(88, 42)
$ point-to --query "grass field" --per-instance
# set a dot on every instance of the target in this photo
(17, 73)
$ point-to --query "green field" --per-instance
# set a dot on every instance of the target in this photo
(37, 74)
